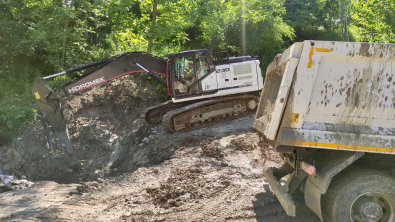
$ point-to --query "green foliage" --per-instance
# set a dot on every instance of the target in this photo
(160, 89)
(373, 20)
(221, 24)
(314, 20)
(15, 113)
(41, 37)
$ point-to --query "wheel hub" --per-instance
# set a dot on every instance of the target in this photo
(370, 211)
(372, 207)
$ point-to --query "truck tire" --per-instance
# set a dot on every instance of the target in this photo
(360, 195)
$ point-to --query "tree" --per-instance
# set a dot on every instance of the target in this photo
(141, 25)
(316, 19)
(221, 24)
(373, 20)
(37, 38)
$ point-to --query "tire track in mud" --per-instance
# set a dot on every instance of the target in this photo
(212, 179)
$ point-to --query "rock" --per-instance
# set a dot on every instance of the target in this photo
(9, 158)
(81, 189)
(172, 202)
(100, 180)
(186, 196)
(224, 164)
(15, 182)
(4, 188)
(88, 187)
(94, 184)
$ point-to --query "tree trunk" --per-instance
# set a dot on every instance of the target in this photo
(152, 29)
(66, 25)
(86, 34)
(55, 37)
(96, 34)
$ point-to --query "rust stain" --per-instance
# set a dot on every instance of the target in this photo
(364, 50)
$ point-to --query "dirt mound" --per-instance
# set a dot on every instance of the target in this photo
(186, 185)
(210, 148)
(269, 156)
(178, 187)
(103, 122)
(241, 143)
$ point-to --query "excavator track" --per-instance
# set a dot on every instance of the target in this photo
(204, 112)
(154, 114)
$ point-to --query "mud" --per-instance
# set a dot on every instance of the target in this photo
(210, 148)
(134, 171)
(103, 125)
(188, 186)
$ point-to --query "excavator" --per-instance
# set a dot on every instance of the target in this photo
(199, 88)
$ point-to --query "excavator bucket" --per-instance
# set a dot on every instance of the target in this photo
(50, 113)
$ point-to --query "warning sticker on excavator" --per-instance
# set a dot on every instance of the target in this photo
(37, 95)
(295, 117)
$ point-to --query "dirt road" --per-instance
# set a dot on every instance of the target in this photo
(211, 174)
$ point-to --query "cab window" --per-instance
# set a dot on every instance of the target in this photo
(183, 67)
(202, 67)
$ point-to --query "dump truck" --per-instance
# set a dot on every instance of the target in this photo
(328, 109)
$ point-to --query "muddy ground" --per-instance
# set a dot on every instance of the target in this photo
(132, 171)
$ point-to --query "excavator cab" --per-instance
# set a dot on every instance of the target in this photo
(186, 72)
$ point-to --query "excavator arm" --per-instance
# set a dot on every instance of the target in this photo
(49, 107)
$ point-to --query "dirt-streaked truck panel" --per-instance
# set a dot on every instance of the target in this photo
(328, 108)
(331, 95)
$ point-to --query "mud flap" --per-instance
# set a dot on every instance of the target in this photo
(328, 163)
(312, 196)
(281, 192)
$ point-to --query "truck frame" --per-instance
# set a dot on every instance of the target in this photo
(328, 108)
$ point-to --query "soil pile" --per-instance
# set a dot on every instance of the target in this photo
(103, 124)
(210, 148)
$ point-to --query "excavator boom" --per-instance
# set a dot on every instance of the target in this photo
(47, 101)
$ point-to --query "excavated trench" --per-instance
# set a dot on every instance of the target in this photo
(107, 134)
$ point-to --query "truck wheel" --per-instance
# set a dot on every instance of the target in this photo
(360, 195)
